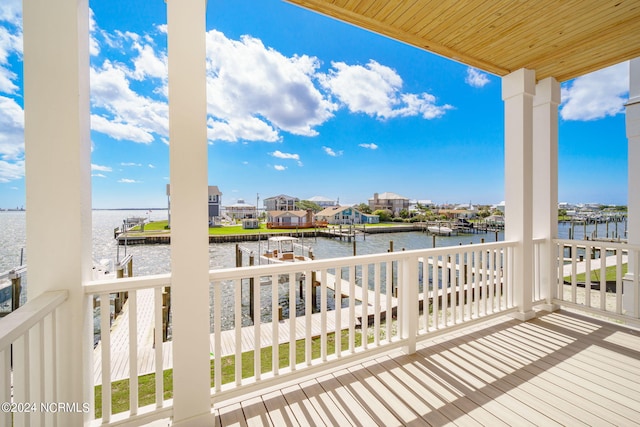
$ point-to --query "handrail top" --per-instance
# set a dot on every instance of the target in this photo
(15, 324)
(597, 243)
(159, 280)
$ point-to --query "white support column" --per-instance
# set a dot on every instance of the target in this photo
(518, 89)
(545, 186)
(633, 202)
(58, 180)
(189, 220)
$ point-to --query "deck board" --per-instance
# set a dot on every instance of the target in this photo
(557, 369)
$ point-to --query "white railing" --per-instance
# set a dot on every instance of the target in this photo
(583, 268)
(28, 360)
(122, 362)
(384, 301)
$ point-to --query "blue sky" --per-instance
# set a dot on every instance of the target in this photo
(303, 105)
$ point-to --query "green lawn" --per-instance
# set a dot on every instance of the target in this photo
(595, 274)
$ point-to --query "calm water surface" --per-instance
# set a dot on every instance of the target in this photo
(155, 259)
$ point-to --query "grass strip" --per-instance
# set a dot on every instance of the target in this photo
(610, 274)
(147, 383)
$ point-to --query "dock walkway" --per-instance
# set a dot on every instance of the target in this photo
(146, 352)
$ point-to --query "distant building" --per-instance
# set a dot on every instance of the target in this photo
(424, 204)
(389, 201)
(323, 202)
(214, 204)
(290, 219)
(280, 203)
(345, 215)
(241, 210)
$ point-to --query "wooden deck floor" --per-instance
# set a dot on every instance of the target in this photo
(558, 369)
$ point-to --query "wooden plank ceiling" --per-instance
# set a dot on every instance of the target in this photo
(560, 38)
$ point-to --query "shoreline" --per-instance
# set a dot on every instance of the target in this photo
(346, 232)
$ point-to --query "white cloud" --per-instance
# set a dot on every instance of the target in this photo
(371, 146)
(128, 181)
(596, 95)
(100, 168)
(375, 90)
(11, 171)
(148, 63)
(279, 167)
(127, 114)
(329, 151)
(98, 175)
(11, 11)
(281, 155)
(476, 78)
(10, 44)
(151, 166)
(130, 164)
(11, 129)
(254, 91)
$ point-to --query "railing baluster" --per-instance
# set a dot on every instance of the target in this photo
(217, 336)
(435, 290)
(323, 314)
(477, 269)
(157, 320)
(275, 321)
(257, 322)
(237, 325)
(133, 352)
(105, 342)
(352, 308)
(309, 291)
(619, 281)
(574, 279)
(401, 288)
(338, 311)
(5, 384)
(603, 279)
(445, 290)
(365, 306)
(292, 321)
(453, 274)
(587, 275)
(492, 281)
(389, 292)
(376, 316)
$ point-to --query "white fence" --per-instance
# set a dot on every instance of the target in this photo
(307, 315)
(582, 283)
(28, 362)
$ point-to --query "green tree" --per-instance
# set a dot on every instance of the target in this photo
(303, 205)
(364, 208)
(384, 214)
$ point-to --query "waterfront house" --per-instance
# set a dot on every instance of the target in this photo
(280, 203)
(389, 201)
(240, 210)
(290, 219)
(532, 354)
(323, 202)
(345, 215)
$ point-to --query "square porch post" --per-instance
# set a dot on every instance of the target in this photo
(518, 89)
(545, 186)
(189, 217)
(58, 182)
(630, 297)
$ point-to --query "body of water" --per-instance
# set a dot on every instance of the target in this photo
(155, 259)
